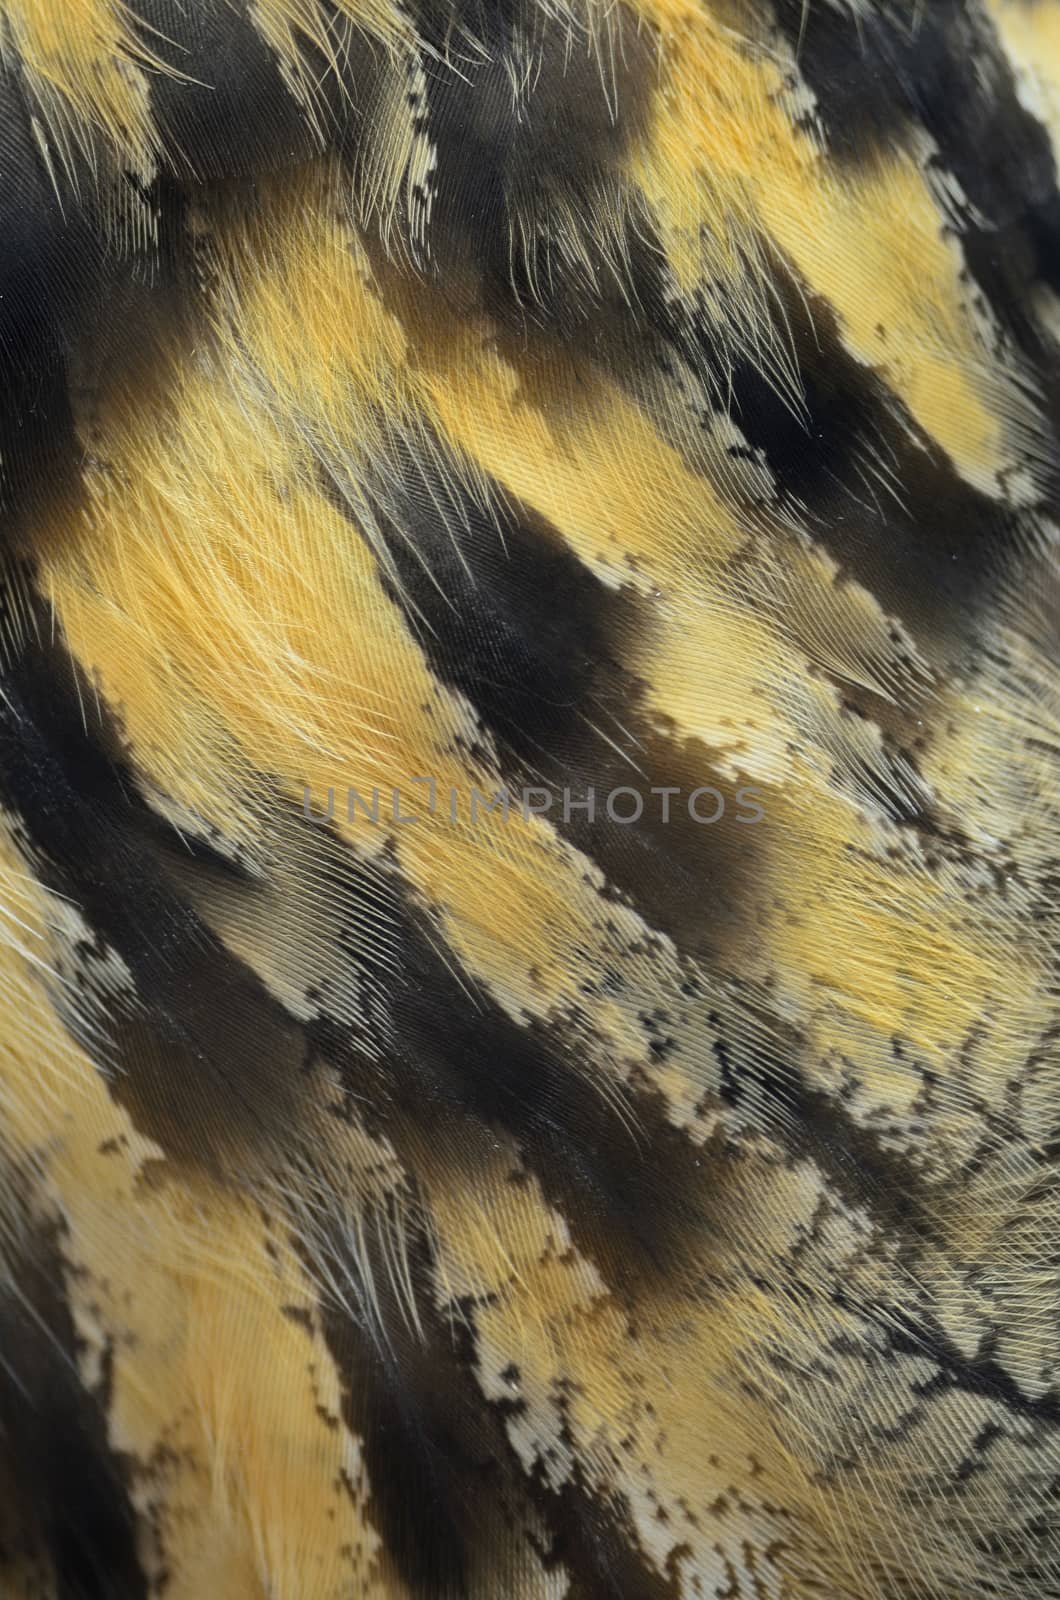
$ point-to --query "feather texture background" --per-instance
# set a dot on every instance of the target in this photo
(568, 394)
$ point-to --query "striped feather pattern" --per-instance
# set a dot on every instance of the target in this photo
(434, 399)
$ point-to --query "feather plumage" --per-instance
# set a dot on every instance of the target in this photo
(439, 440)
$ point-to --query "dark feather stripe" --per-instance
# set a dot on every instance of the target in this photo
(879, 76)
(51, 269)
(518, 166)
(447, 1490)
(66, 1493)
(222, 108)
(450, 1052)
(205, 1057)
(544, 672)
(878, 73)
(863, 471)
(95, 269)
(449, 1486)
(433, 1484)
